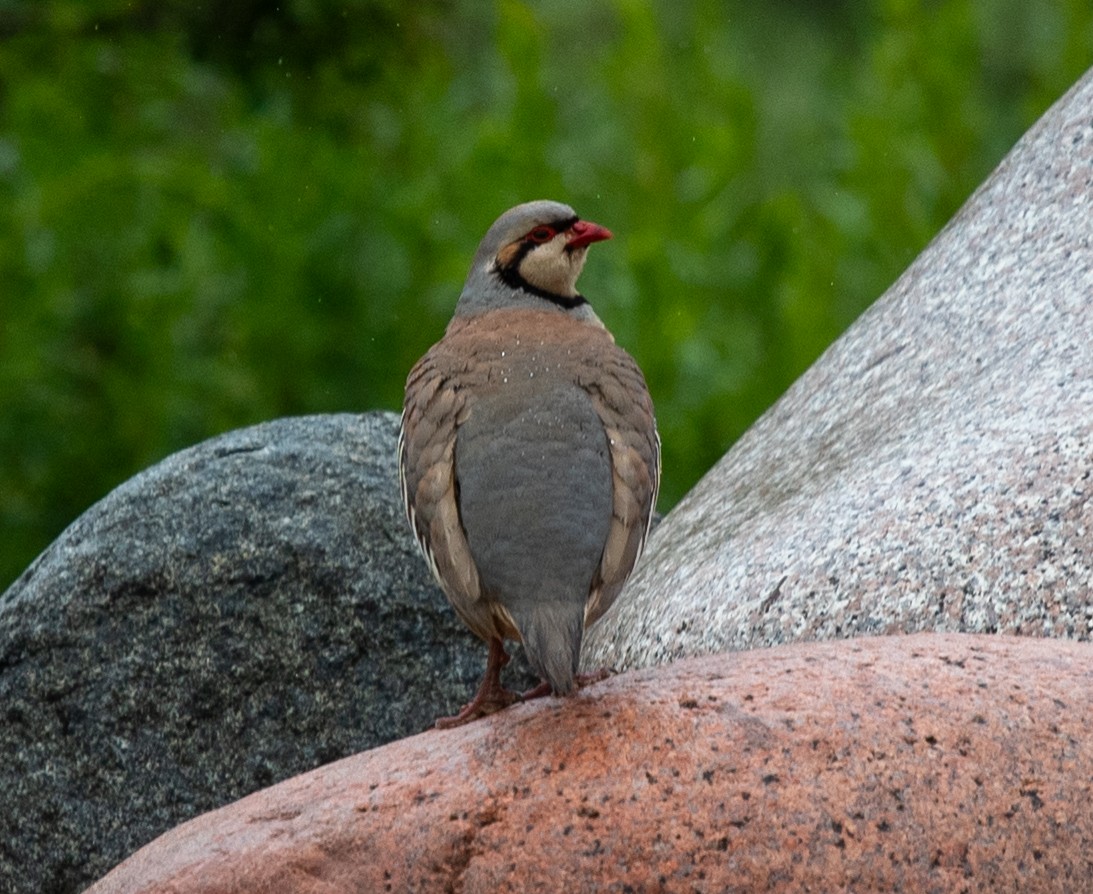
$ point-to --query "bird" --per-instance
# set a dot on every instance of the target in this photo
(528, 453)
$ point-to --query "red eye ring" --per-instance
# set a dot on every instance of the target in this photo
(541, 234)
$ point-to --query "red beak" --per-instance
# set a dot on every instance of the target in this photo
(584, 232)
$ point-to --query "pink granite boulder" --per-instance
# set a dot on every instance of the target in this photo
(928, 763)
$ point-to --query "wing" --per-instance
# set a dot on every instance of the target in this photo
(623, 402)
(433, 410)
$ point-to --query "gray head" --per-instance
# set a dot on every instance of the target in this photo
(531, 257)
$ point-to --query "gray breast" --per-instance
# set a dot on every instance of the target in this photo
(534, 477)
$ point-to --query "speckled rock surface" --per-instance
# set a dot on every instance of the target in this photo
(932, 763)
(242, 612)
(932, 470)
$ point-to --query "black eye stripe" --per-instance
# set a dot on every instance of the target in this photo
(555, 227)
(526, 244)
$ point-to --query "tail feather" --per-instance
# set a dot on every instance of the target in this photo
(552, 634)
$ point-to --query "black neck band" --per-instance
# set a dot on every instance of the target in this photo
(511, 277)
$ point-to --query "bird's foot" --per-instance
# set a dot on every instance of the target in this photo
(483, 704)
(596, 676)
(535, 692)
(581, 680)
(491, 696)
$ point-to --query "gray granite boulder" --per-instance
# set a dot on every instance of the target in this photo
(933, 470)
(240, 613)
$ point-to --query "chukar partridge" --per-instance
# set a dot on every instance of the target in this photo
(528, 457)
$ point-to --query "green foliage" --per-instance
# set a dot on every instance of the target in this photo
(213, 214)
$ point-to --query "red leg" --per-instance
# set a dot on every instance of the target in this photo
(491, 695)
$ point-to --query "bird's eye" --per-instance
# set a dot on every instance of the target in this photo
(541, 234)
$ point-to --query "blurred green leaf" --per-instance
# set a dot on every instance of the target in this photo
(214, 215)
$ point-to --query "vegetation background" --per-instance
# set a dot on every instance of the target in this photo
(214, 214)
